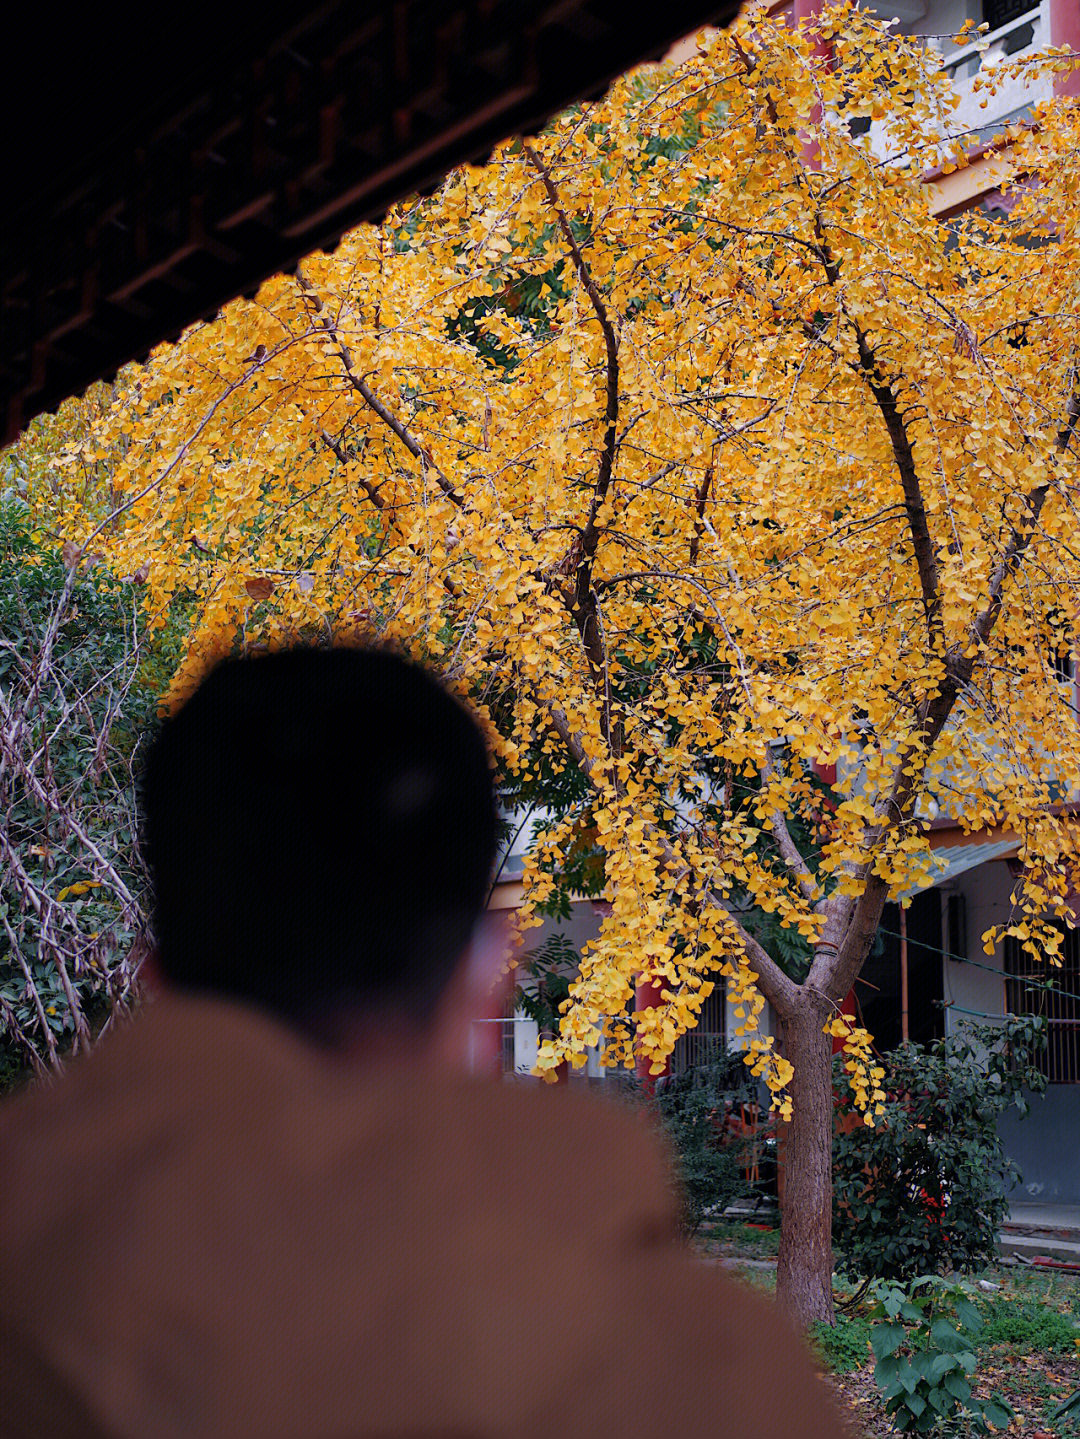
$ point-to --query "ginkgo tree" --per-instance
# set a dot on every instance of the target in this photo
(687, 443)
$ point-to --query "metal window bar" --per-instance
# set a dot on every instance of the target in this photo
(1026, 992)
(697, 1048)
(506, 1041)
(706, 1043)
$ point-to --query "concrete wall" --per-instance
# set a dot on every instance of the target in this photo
(986, 893)
(1044, 1146)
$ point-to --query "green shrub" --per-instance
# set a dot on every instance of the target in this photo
(925, 1189)
(710, 1160)
(843, 1346)
(1031, 1326)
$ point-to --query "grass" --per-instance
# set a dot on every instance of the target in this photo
(1029, 1324)
(741, 1241)
(1027, 1351)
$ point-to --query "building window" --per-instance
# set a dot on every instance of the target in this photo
(1026, 992)
(707, 1042)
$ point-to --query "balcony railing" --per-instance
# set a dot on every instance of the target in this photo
(1024, 32)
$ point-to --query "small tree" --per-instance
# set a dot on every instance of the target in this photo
(926, 1188)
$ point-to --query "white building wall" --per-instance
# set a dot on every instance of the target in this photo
(972, 987)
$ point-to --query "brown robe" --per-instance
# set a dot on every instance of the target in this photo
(206, 1229)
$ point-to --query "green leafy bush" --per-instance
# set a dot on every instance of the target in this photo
(1031, 1325)
(926, 1188)
(842, 1346)
(924, 1343)
(711, 1159)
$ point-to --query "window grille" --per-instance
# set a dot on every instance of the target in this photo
(707, 1042)
(999, 12)
(1026, 992)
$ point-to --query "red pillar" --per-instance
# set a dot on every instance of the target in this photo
(1065, 30)
(647, 996)
(803, 12)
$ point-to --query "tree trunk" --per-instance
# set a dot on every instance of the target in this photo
(804, 1270)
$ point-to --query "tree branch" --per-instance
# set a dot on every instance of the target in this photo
(364, 390)
(344, 458)
(1022, 534)
(884, 395)
(590, 534)
(789, 851)
(700, 501)
(838, 976)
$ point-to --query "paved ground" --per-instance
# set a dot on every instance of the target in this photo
(1036, 1231)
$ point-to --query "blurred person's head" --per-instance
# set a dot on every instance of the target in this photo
(320, 828)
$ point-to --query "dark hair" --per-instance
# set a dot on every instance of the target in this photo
(320, 827)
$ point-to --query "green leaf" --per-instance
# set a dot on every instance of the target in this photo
(957, 1387)
(886, 1339)
(942, 1364)
(942, 1332)
(907, 1376)
(1070, 1406)
(997, 1411)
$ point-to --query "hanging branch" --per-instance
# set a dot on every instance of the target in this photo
(370, 398)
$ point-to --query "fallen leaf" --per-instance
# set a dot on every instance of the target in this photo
(259, 589)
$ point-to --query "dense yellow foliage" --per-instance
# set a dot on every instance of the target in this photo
(757, 464)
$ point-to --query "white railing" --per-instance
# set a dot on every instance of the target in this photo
(1025, 32)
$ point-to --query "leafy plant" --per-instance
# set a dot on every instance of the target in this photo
(550, 968)
(1031, 1325)
(925, 1188)
(843, 1346)
(711, 1156)
(924, 1344)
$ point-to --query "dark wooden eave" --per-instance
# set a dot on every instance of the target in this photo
(155, 173)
